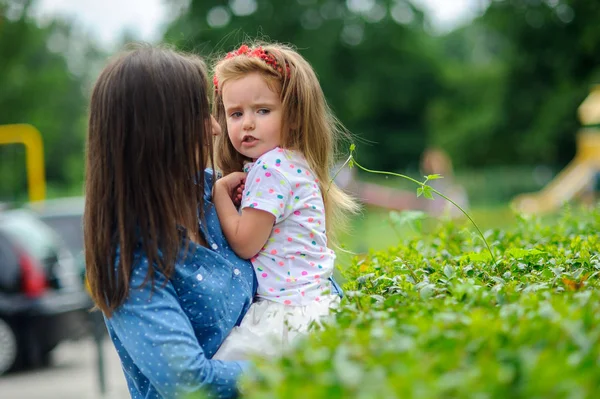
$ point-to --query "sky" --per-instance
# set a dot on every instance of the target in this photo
(107, 19)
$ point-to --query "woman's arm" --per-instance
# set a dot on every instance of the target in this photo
(160, 340)
(247, 232)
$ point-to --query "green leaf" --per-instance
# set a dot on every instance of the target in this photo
(419, 191)
(378, 298)
(519, 253)
(352, 147)
(427, 291)
(351, 163)
(475, 257)
(498, 280)
(434, 177)
(448, 271)
(348, 371)
(427, 192)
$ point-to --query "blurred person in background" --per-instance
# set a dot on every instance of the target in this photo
(169, 286)
(436, 161)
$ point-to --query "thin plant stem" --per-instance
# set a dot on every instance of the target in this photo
(338, 171)
(410, 270)
(354, 162)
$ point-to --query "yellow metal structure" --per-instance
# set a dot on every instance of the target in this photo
(589, 110)
(31, 138)
(580, 172)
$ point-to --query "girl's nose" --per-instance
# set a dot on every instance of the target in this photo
(248, 123)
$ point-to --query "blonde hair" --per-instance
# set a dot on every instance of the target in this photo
(309, 126)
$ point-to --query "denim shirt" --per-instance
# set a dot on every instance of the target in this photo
(166, 336)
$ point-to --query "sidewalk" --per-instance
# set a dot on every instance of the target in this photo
(73, 374)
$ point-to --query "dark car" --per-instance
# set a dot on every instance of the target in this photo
(65, 217)
(42, 296)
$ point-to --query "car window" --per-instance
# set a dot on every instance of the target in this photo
(9, 265)
(30, 233)
(69, 227)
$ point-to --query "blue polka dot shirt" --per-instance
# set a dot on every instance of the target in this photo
(166, 336)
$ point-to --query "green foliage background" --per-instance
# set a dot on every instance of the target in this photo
(434, 317)
(502, 90)
(42, 86)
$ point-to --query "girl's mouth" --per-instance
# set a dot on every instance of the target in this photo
(249, 140)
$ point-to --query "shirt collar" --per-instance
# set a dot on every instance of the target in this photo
(248, 166)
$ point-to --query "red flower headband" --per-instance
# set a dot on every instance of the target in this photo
(257, 52)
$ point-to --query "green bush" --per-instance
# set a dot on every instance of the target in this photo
(434, 317)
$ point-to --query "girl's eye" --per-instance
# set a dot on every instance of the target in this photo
(263, 111)
(235, 114)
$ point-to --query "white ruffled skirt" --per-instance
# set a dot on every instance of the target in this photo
(270, 328)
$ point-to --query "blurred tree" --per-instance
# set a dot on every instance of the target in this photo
(504, 89)
(41, 85)
(374, 59)
(513, 81)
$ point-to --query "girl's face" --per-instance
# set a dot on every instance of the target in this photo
(254, 115)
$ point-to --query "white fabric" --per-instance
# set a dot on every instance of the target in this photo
(295, 264)
(270, 328)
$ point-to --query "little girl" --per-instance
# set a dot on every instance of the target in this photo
(279, 130)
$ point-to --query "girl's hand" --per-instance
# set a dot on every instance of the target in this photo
(233, 184)
(237, 199)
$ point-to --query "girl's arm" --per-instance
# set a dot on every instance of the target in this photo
(247, 232)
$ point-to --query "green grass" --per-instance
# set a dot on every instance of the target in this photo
(374, 229)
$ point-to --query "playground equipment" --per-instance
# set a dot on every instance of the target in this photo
(34, 156)
(581, 173)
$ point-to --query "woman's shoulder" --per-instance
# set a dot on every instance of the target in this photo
(191, 257)
(210, 176)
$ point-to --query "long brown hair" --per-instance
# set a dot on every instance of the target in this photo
(309, 126)
(148, 143)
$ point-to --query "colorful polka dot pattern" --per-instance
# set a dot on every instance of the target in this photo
(295, 264)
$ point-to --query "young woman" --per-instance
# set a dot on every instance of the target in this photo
(169, 285)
